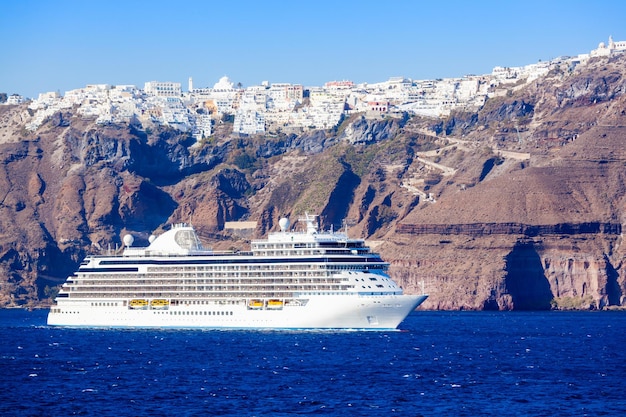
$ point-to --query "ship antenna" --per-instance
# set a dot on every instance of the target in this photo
(346, 224)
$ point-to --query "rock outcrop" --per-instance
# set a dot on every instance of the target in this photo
(520, 205)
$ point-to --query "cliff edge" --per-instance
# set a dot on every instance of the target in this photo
(517, 206)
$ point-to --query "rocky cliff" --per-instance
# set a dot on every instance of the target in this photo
(517, 206)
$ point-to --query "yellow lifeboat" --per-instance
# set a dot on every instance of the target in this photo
(138, 304)
(274, 304)
(159, 304)
(255, 304)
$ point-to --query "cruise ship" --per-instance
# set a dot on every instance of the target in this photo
(294, 279)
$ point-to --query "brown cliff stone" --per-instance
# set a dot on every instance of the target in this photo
(481, 223)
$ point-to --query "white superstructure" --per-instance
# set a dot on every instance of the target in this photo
(292, 280)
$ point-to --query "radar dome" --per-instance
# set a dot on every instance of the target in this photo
(284, 224)
(128, 240)
(151, 238)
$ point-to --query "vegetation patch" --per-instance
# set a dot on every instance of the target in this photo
(573, 303)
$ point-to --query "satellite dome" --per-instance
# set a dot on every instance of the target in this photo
(128, 240)
(284, 224)
(151, 238)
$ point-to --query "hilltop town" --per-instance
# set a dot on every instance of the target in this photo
(272, 108)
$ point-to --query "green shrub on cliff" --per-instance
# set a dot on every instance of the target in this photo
(573, 303)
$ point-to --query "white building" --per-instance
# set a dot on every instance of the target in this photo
(249, 122)
(286, 92)
(15, 99)
(163, 89)
(610, 48)
(505, 73)
(223, 96)
(202, 127)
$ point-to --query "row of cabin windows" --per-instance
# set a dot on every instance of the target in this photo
(196, 313)
(211, 289)
(172, 313)
(249, 277)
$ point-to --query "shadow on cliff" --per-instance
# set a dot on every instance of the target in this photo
(166, 158)
(613, 291)
(340, 198)
(525, 280)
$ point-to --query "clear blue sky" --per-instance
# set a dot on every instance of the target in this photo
(50, 45)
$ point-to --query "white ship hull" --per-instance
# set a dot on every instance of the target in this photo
(324, 312)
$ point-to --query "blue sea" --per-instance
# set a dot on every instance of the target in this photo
(439, 363)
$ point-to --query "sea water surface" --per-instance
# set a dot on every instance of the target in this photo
(439, 363)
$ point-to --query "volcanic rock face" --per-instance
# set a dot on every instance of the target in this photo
(544, 233)
(517, 206)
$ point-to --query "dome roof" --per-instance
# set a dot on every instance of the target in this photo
(179, 239)
(223, 84)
